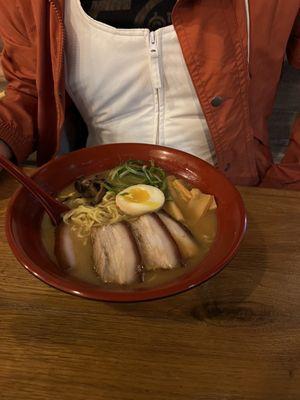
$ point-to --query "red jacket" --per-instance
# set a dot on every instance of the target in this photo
(213, 37)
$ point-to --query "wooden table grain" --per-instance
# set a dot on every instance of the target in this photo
(235, 337)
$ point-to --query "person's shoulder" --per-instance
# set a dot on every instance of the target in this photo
(13, 7)
(16, 15)
(14, 4)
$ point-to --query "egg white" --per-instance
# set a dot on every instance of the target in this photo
(140, 199)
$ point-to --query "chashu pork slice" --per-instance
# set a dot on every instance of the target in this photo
(116, 257)
(156, 246)
(187, 245)
(70, 250)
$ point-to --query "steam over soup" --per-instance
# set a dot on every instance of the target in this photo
(133, 226)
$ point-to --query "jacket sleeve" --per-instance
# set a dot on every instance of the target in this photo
(18, 108)
(287, 173)
(293, 46)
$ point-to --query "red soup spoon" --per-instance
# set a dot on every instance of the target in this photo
(54, 208)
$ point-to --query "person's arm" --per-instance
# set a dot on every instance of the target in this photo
(287, 173)
(18, 108)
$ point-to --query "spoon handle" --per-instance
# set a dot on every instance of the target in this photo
(53, 207)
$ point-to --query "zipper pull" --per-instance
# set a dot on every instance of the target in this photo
(154, 58)
(153, 45)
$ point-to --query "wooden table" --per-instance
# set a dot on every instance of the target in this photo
(235, 337)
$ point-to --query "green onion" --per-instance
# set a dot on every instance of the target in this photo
(134, 172)
(124, 173)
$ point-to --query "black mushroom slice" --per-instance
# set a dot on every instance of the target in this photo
(116, 257)
(91, 188)
(85, 187)
(157, 247)
(187, 245)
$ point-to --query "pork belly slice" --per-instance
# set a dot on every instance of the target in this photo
(70, 250)
(187, 245)
(64, 246)
(156, 246)
(116, 257)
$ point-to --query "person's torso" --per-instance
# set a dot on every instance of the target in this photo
(213, 39)
(132, 85)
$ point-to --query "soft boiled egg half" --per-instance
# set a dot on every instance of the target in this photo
(140, 199)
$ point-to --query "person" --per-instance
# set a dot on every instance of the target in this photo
(198, 75)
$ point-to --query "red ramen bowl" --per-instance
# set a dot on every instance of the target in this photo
(24, 216)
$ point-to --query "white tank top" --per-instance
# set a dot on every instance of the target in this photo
(132, 85)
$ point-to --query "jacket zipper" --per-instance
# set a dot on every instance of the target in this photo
(156, 82)
(247, 6)
(59, 69)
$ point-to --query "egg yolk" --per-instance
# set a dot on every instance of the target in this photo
(137, 195)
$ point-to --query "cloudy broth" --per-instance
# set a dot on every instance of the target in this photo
(84, 269)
